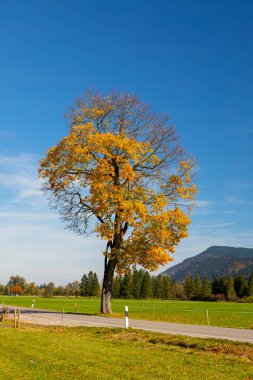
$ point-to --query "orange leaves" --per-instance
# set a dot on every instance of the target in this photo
(119, 146)
(16, 289)
(118, 164)
(105, 231)
(180, 185)
(154, 238)
(155, 256)
(97, 111)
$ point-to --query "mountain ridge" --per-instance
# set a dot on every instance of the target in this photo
(214, 261)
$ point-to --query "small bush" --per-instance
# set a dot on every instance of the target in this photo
(217, 297)
(232, 298)
(246, 299)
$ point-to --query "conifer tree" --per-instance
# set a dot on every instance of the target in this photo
(222, 285)
(188, 287)
(90, 284)
(250, 285)
(84, 286)
(136, 284)
(230, 291)
(240, 285)
(215, 286)
(95, 285)
(197, 288)
(146, 288)
(157, 286)
(116, 287)
(125, 291)
(206, 289)
(166, 294)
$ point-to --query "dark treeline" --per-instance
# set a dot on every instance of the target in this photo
(140, 285)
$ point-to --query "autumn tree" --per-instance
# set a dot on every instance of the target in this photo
(121, 173)
(16, 285)
(2, 289)
(76, 288)
(17, 280)
(16, 290)
(31, 289)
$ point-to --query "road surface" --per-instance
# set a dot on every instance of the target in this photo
(45, 317)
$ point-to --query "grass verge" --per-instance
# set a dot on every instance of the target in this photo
(54, 353)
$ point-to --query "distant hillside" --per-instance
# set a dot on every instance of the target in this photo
(215, 261)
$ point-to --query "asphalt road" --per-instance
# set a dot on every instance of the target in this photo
(45, 317)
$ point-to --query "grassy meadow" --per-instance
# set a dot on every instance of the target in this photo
(226, 314)
(54, 353)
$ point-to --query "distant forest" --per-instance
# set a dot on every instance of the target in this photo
(140, 285)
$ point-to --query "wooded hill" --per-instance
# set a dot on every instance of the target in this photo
(216, 261)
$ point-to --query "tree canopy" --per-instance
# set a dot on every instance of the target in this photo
(121, 165)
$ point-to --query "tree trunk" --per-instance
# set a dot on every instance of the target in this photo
(107, 286)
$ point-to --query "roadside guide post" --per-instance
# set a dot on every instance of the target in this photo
(126, 317)
(207, 317)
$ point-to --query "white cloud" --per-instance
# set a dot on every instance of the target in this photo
(203, 203)
(203, 207)
(212, 225)
(239, 201)
(18, 174)
(33, 240)
(27, 215)
(23, 161)
(25, 185)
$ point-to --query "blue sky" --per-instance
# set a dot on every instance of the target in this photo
(191, 59)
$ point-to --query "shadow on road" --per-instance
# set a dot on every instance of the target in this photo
(43, 311)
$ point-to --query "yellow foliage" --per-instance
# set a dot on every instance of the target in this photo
(106, 172)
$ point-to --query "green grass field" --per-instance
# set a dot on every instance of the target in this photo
(54, 353)
(225, 314)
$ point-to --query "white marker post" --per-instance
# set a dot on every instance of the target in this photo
(33, 304)
(207, 317)
(126, 317)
